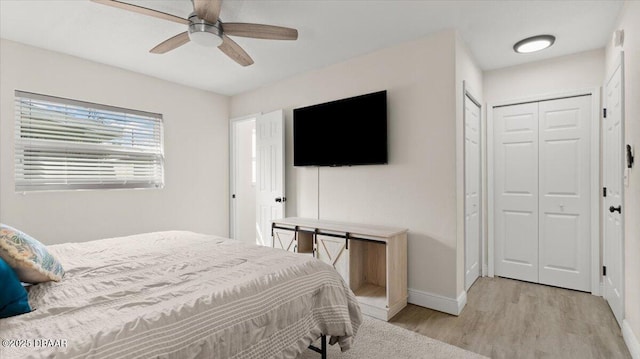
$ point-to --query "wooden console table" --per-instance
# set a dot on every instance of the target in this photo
(371, 259)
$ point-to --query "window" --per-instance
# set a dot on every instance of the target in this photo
(63, 144)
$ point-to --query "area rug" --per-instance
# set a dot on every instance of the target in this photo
(378, 339)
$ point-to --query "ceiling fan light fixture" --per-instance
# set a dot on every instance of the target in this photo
(205, 38)
(207, 30)
(204, 33)
(534, 43)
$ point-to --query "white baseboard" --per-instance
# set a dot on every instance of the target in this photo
(631, 340)
(462, 301)
(438, 302)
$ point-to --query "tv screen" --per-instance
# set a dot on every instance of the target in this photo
(351, 131)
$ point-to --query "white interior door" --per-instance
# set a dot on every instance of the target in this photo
(270, 189)
(516, 191)
(613, 219)
(243, 192)
(564, 187)
(472, 192)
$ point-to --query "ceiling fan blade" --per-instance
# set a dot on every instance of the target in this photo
(171, 43)
(208, 10)
(259, 31)
(143, 10)
(235, 52)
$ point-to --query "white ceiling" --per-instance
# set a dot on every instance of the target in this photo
(329, 32)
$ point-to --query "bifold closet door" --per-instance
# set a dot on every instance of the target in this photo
(516, 191)
(564, 229)
(541, 186)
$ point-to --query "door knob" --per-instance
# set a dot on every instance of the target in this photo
(613, 209)
(281, 199)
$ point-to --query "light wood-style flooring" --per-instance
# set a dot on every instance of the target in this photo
(506, 318)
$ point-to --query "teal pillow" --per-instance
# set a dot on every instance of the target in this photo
(29, 258)
(13, 296)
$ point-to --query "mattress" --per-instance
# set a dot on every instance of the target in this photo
(181, 295)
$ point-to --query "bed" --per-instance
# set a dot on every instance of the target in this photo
(182, 295)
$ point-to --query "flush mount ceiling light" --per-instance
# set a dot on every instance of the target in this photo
(534, 43)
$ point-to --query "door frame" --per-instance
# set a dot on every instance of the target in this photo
(618, 63)
(481, 228)
(595, 209)
(232, 169)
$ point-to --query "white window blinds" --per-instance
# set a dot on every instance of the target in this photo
(63, 144)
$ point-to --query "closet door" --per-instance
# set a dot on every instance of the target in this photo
(564, 228)
(516, 191)
(472, 192)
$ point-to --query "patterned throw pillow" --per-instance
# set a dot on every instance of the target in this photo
(29, 258)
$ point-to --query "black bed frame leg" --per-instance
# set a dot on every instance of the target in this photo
(323, 347)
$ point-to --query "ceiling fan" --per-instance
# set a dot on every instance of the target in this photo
(205, 28)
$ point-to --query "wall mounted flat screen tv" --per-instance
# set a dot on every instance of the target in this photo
(347, 132)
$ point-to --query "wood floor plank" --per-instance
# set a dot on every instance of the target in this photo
(509, 319)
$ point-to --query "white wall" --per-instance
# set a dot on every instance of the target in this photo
(630, 23)
(572, 72)
(417, 189)
(468, 72)
(195, 196)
